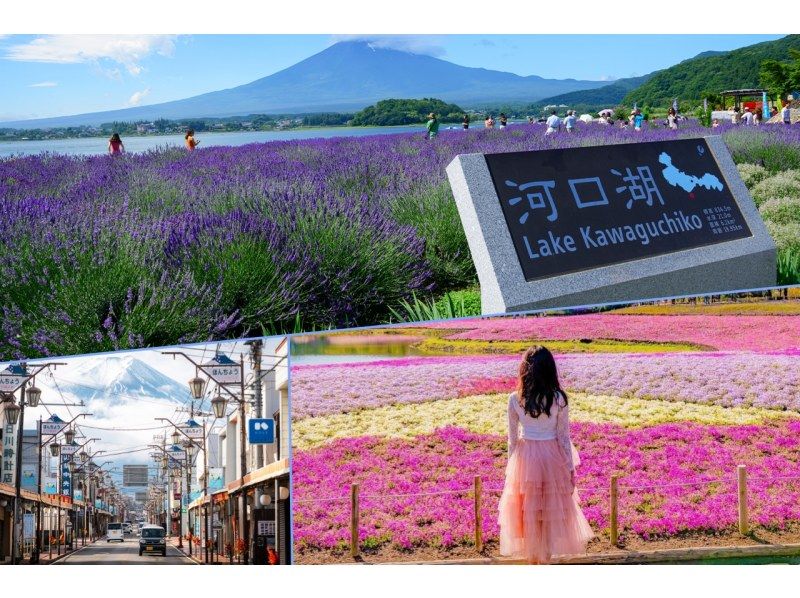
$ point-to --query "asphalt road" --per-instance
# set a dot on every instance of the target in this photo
(122, 553)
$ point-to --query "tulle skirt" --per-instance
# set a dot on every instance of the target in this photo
(539, 514)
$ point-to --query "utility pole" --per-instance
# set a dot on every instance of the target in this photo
(255, 358)
(243, 459)
(17, 532)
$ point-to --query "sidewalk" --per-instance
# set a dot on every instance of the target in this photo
(198, 553)
(46, 559)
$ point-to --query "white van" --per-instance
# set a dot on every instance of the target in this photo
(114, 532)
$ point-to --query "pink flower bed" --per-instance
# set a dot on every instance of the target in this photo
(728, 333)
(667, 456)
(724, 379)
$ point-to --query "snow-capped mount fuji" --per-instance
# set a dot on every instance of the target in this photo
(109, 381)
(124, 395)
(344, 77)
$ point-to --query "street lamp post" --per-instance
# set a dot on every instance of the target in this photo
(82, 456)
(16, 414)
(189, 448)
(89, 481)
(69, 437)
(242, 439)
(188, 444)
(166, 461)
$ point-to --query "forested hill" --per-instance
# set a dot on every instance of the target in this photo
(688, 80)
(596, 99)
(406, 112)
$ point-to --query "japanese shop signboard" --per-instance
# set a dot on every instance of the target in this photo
(625, 222)
(569, 210)
(223, 370)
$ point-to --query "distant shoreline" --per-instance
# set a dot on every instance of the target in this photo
(201, 134)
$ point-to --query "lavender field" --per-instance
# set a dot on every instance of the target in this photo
(103, 253)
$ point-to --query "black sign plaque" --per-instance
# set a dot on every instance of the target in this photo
(576, 209)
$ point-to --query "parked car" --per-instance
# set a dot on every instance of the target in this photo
(153, 540)
(114, 532)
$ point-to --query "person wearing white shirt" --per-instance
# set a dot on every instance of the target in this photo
(747, 117)
(553, 123)
(569, 121)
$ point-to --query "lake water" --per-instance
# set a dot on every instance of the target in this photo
(88, 146)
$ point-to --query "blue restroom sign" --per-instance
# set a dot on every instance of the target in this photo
(569, 210)
(261, 431)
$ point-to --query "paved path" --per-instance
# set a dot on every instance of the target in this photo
(122, 553)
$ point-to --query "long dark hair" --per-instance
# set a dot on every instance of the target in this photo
(115, 138)
(538, 385)
(189, 133)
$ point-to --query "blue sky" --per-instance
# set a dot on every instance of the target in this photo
(56, 75)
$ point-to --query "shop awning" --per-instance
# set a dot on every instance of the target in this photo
(45, 499)
(266, 473)
(259, 476)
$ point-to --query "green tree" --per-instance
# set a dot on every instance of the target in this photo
(406, 112)
(621, 113)
(774, 76)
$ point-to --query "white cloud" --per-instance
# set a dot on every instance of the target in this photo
(126, 50)
(44, 84)
(137, 98)
(428, 45)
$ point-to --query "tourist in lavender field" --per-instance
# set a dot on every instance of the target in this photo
(539, 514)
(465, 122)
(786, 114)
(637, 119)
(503, 120)
(672, 119)
(757, 118)
(432, 126)
(115, 145)
(736, 118)
(747, 117)
(191, 142)
(569, 121)
(489, 122)
(553, 123)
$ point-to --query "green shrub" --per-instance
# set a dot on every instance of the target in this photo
(783, 184)
(781, 210)
(752, 174)
(788, 267)
(435, 217)
(468, 299)
(452, 305)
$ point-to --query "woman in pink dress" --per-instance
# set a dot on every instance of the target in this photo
(539, 514)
